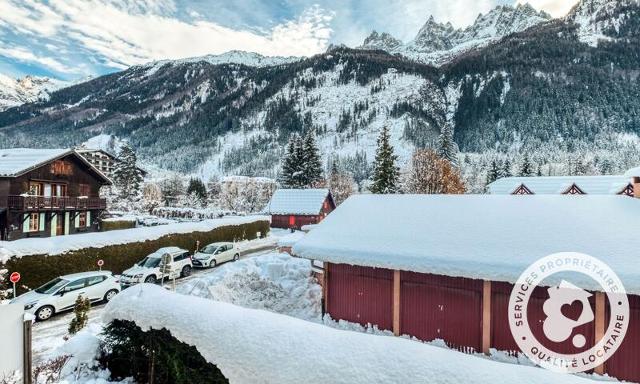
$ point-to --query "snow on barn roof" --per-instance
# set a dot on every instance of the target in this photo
(555, 185)
(633, 172)
(297, 201)
(482, 236)
(17, 161)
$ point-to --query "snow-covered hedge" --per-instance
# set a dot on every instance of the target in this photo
(255, 346)
(39, 260)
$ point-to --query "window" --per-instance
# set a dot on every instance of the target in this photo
(75, 285)
(95, 280)
(85, 189)
(61, 167)
(34, 222)
(58, 190)
(82, 219)
(36, 189)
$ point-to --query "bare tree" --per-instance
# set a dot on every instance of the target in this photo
(431, 174)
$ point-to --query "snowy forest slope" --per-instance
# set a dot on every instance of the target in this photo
(561, 86)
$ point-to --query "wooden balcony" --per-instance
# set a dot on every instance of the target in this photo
(42, 203)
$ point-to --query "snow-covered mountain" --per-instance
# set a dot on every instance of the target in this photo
(14, 92)
(599, 20)
(437, 43)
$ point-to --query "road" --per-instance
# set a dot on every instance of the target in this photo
(49, 335)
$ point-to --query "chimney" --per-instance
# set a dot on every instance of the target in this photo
(636, 187)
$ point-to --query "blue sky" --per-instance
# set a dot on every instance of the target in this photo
(74, 39)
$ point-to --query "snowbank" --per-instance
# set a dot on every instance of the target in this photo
(275, 282)
(63, 244)
(289, 239)
(253, 346)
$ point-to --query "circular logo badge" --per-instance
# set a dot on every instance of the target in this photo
(568, 311)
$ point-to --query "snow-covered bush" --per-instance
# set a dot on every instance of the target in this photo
(246, 194)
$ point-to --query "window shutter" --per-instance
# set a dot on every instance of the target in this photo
(67, 223)
(77, 221)
(54, 225)
(41, 222)
(88, 218)
(25, 223)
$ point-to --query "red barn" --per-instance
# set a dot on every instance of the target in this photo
(295, 208)
(443, 266)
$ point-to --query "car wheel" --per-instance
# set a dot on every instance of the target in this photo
(45, 313)
(110, 295)
(236, 257)
(151, 279)
(213, 263)
(186, 271)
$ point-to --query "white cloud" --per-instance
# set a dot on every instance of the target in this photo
(26, 56)
(125, 33)
(556, 8)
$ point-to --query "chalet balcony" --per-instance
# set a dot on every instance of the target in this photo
(42, 203)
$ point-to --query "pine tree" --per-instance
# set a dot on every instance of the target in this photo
(385, 171)
(311, 162)
(126, 174)
(526, 168)
(494, 172)
(506, 169)
(292, 164)
(198, 190)
(81, 312)
(447, 148)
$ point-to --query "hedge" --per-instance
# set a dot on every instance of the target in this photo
(113, 225)
(38, 269)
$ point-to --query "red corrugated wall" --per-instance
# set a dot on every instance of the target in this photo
(501, 338)
(625, 363)
(361, 295)
(441, 307)
(282, 221)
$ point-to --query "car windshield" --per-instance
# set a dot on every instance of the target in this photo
(209, 249)
(150, 262)
(52, 286)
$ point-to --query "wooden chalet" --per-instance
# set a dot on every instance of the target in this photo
(563, 185)
(443, 266)
(48, 192)
(295, 208)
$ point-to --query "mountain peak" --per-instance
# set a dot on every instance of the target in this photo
(384, 41)
(603, 19)
(14, 92)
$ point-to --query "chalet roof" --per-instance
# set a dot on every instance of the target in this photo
(555, 185)
(492, 237)
(297, 201)
(18, 161)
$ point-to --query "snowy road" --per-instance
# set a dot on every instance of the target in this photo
(49, 335)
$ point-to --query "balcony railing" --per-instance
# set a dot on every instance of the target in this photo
(39, 203)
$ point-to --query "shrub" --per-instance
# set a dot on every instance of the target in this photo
(81, 312)
(154, 356)
(38, 269)
(113, 225)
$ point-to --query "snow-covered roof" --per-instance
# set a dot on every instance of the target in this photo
(257, 346)
(633, 172)
(555, 185)
(297, 201)
(17, 161)
(478, 236)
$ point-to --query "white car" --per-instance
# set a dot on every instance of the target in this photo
(61, 293)
(148, 270)
(215, 254)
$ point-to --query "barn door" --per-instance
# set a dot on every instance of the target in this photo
(292, 221)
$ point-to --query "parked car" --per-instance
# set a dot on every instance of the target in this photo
(215, 254)
(147, 270)
(61, 293)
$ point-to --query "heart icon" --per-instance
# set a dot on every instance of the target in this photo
(572, 311)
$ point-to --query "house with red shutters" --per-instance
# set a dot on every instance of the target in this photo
(295, 208)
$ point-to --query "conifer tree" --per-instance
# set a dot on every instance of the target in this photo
(447, 148)
(81, 315)
(126, 175)
(494, 172)
(506, 169)
(526, 168)
(385, 171)
(198, 190)
(291, 164)
(311, 162)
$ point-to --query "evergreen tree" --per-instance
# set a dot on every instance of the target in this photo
(290, 175)
(447, 148)
(198, 190)
(494, 172)
(385, 171)
(311, 162)
(126, 175)
(506, 169)
(526, 168)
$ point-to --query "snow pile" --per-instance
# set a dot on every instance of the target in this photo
(251, 346)
(288, 240)
(492, 237)
(275, 282)
(62, 244)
